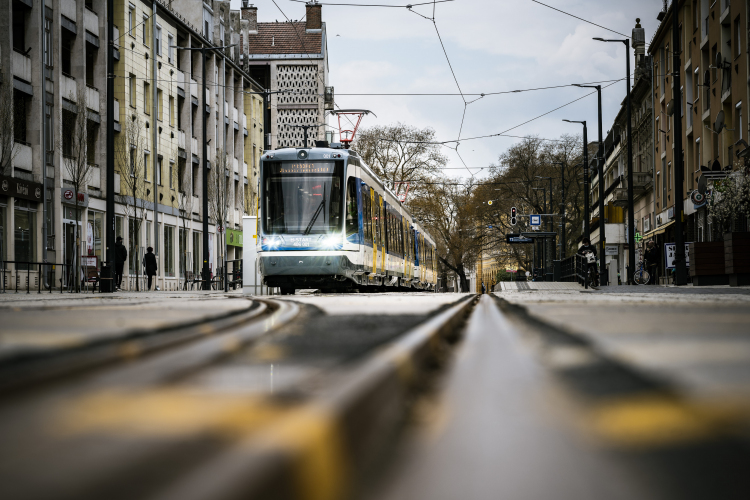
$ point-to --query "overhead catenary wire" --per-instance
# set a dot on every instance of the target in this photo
(407, 6)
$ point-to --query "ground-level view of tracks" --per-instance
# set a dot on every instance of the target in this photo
(530, 392)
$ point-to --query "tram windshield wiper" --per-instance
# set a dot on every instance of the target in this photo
(315, 216)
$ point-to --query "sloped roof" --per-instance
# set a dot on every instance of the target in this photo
(284, 38)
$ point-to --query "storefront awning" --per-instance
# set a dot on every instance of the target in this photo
(658, 230)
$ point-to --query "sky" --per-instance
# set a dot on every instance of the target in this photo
(493, 46)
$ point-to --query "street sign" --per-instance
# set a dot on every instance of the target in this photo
(535, 220)
(669, 253)
(517, 238)
(611, 250)
(511, 270)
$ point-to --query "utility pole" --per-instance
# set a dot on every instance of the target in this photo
(680, 274)
(110, 202)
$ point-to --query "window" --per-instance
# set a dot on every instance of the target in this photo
(48, 57)
(146, 100)
(49, 133)
(92, 134)
(197, 251)
(208, 23)
(24, 233)
(738, 124)
(132, 89)
(737, 37)
(131, 19)
(95, 227)
(50, 213)
(171, 174)
(170, 49)
(159, 105)
(171, 111)
(714, 73)
(132, 160)
(662, 72)
(668, 181)
(145, 166)
(66, 51)
(158, 170)
(181, 176)
(352, 214)
(19, 27)
(169, 250)
(21, 106)
(145, 29)
(158, 40)
(134, 250)
(90, 60)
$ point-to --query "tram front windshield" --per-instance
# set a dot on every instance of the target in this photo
(302, 197)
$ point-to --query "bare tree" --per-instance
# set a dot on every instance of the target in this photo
(401, 154)
(219, 197)
(77, 169)
(131, 164)
(8, 146)
(185, 207)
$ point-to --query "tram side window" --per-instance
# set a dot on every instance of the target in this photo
(381, 220)
(352, 219)
(366, 219)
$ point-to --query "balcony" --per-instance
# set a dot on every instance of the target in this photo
(22, 66)
(179, 78)
(92, 99)
(68, 89)
(95, 176)
(193, 88)
(208, 98)
(117, 111)
(181, 139)
(641, 182)
(68, 9)
(244, 170)
(196, 205)
(194, 145)
(91, 22)
(22, 159)
(235, 115)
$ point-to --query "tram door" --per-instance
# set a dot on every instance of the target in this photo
(381, 224)
(373, 231)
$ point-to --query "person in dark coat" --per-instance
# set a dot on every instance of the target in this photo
(652, 262)
(149, 261)
(484, 290)
(121, 255)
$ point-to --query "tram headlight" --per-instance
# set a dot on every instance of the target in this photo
(272, 242)
(331, 241)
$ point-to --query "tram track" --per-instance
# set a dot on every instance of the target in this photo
(151, 427)
(28, 369)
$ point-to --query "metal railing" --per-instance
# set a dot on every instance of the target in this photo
(573, 268)
(49, 267)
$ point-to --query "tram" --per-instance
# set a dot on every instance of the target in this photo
(327, 222)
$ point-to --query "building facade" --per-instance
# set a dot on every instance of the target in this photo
(53, 64)
(291, 60)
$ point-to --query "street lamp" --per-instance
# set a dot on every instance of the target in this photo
(600, 173)
(631, 209)
(586, 215)
(206, 271)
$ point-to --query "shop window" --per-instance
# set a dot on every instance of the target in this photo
(169, 251)
(24, 233)
(94, 234)
(197, 250)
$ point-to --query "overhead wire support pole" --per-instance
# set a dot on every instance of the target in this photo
(600, 172)
(680, 271)
(586, 214)
(110, 196)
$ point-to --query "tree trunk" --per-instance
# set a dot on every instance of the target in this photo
(462, 276)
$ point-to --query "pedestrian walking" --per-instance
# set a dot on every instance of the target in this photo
(483, 288)
(652, 261)
(121, 255)
(149, 262)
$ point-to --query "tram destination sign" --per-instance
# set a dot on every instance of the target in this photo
(303, 167)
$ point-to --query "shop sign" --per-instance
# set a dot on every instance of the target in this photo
(611, 250)
(68, 197)
(669, 254)
(234, 238)
(19, 188)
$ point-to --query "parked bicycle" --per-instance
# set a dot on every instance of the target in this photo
(641, 276)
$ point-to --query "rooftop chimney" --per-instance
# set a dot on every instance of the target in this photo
(250, 13)
(313, 17)
(639, 42)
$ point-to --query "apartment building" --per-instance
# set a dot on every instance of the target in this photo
(290, 59)
(53, 63)
(713, 88)
(616, 164)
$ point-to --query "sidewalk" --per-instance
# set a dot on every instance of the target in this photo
(33, 323)
(696, 339)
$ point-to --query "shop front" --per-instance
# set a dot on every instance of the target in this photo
(20, 231)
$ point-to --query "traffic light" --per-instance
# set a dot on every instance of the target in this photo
(513, 216)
